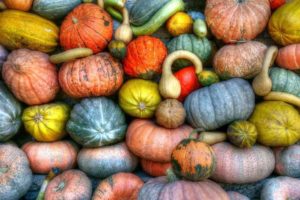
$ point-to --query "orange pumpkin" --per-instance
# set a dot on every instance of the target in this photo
(155, 168)
(87, 25)
(23, 5)
(144, 57)
(289, 57)
(30, 76)
(97, 75)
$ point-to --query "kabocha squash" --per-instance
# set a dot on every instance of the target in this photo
(235, 165)
(23, 5)
(119, 186)
(30, 76)
(232, 21)
(212, 107)
(208, 77)
(155, 168)
(151, 142)
(139, 98)
(105, 161)
(46, 123)
(236, 196)
(96, 122)
(25, 30)
(15, 173)
(10, 114)
(180, 23)
(289, 57)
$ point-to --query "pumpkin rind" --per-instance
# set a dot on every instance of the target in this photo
(23, 5)
(155, 168)
(289, 57)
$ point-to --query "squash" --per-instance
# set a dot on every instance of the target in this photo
(15, 173)
(45, 156)
(25, 30)
(139, 98)
(289, 57)
(96, 75)
(105, 161)
(212, 107)
(117, 49)
(10, 114)
(180, 23)
(155, 168)
(277, 3)
(30, 71)
(46, 123)
(3, 56)
(96, 122)
(119, 186)
(208, 77)
(255, 163)
(123, 32)
(70, 55)
(212, 137)
(276, 123)
(56, 9)
(23, 5)
(200, 28)
(236, 196)
(233, 21)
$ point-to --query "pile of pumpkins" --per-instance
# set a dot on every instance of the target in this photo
(150, 99)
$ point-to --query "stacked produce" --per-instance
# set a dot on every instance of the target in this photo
(150, 99)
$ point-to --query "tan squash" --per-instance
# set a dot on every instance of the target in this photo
(70, 55)
(212, 137)
(124, 32)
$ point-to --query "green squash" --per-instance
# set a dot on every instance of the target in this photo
(96, 122)
(208, 77)
(117, 49)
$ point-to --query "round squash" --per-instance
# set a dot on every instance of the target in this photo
(277, 123)
(155, 168)
(208, 77)
(23, 5)
(46, 123)
(3, 56)
(105, 161)
(236, 196)
(180, 23)
(289, 57)
(117, 49)
(15, 173)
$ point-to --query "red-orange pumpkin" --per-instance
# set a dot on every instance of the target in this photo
(144, 57)
(30, 76)
(155, 168)
(87, 25)
(96, 75)
(289, 57)
(23, 5)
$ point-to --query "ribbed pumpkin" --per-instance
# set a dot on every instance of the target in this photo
(23, 5)
(289, 57)
(105, 161)
(235, 165)
(152, 142)
(46, 123)
(25, 30)
(96, 122)
(45, 156)
(232, 21)
(96, 75)
(15, 173)
(87, 25)
(155, 168)
(119, 186)
(3, 55)
(236, 196)
(239, 60)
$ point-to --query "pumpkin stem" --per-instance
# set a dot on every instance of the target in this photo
(49, 177)
(38, 118)
(142, 106)
(194, 132)
(281, 96)
(74, 20)
(171, 176)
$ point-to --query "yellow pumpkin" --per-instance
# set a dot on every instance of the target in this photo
(277, 123)
(139, 98)
(180, 23)
(20, 29)
(46, 123)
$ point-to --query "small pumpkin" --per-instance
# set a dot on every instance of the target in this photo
(208, 77)
(23, 5)
(289, 57)
(3, 56)
(180, 23)
(117, 49)
(155, 168)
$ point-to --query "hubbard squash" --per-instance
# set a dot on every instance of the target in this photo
(289, 57)
(23, 5)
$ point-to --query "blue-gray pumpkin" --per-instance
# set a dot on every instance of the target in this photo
(96, 122)
(212, 107)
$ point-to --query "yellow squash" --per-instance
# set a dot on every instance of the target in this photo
(46, 123)
(180, 23)
(20, 29)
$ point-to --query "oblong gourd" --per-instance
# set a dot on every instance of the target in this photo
(71, 54)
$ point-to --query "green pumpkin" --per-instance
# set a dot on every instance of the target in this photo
(96, 122)
(117, 49)
(10, 114)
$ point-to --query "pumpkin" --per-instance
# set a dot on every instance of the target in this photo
(212, 107)
(155, 168)
(117, 49)
(25, 30)
(139, 98)
(276, 123)
(71, 185)
(54, 9)
(255, 163)
(232, 21)
(96, 122)
(23, 5)
(195, 14)
(276, 3)
(46, 123)
(87, 25)
(96, 75)
(45, 156)
(240, 60)
(144, 57)
(289, 57)
(236, 196)
(242, 134)
(180, 23)
(15, 173)
(105, 161)
(25, 67)
(119, 186)
(159, 141)
(10, 114)
(3, 56)
(208, 77)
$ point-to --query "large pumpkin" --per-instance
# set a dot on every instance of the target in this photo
(232, 21)
(25, 30)
(45, 156)
(152, 142)
(155, 168)
(105, 161)
(23, 5)
(235, 165)
(87, 25)
(96, 75)
(97, 122)
(15, 173)
(30, 76)
(289, 57)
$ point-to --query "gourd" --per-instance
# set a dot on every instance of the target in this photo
(212, 137)
(155, 168)
(23, 5)
(117, 49)
(70, 55)
(180, 23)
(200, 28)
(208, 77)
(123, 32)
(289, 57)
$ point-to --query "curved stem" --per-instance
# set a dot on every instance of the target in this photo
(49, 177)
(281, 96)
(125, 16)
(171, 176)
(100, 3)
